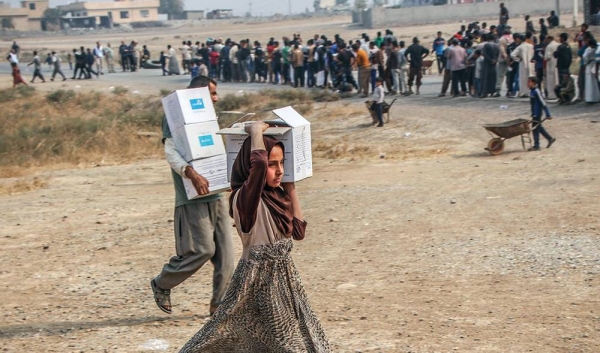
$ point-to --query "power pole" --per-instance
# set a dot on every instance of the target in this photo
(290, 7)
(575, 10)
(557, 8)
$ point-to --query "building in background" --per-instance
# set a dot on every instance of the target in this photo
(220, 14)
(28, 17)
(107, 14)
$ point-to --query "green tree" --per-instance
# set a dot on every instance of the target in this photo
(52, 16)
(171, 7)
(341, 2)
(317, 5)
(7, 23)
(360, 5)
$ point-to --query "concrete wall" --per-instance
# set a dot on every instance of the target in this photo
(381, 17)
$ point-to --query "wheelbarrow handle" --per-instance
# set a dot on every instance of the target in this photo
(534, 126)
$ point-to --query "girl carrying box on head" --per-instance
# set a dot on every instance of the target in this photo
(266, 308)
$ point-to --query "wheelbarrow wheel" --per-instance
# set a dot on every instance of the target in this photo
(495, 146)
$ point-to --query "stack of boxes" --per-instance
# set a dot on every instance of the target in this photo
(193, 123)
(292, 129)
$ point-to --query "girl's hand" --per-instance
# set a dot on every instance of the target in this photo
(256, 126)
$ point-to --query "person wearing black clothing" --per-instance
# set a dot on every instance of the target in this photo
(529, 25)
(243, 55)
(415, 54)
(204, 53)
(346, 60)
(90, 60)
(276, 58)
(512, 74)
(491, 54)
(259, 63)
(553, 20)
(563, 56)
(503, 14)
(123, 55)
(543, 33)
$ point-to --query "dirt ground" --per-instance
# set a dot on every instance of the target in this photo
(418, 240)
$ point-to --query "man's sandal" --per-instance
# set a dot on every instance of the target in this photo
(162, 297)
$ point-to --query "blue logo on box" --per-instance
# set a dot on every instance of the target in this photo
(197, 103)
(206, 140)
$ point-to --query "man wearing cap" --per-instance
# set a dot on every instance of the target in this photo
(415, 54)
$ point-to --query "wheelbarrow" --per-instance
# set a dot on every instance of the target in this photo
(385, 108)
(507, 130)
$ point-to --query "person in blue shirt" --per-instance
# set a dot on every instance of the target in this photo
(537, 105)
(438, 49)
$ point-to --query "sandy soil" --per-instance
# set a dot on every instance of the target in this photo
(418, 241)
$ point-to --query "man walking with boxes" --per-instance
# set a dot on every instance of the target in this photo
(202, 226)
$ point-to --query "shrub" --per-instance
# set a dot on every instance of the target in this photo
(120, 90)
(60, 96)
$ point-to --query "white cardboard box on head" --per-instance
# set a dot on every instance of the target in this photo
(200, 140)
(292, 129)
(214, 169)
(188, 106)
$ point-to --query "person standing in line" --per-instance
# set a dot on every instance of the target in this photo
(447, 70)
(202, 226)
(551, 72)
(503, 59)
(173, 64)
(553, 20)
(98, 58)
(457, 56)
(592, 91)
(582, 65)
(235, 65)
(415, 55)
(543, 29)
(403, 68)
(346, 61)
(394, 66)
(185, 57)
(375, 55)
(491, 54)
(275, 63)
(523, 54)
(537, 105)
(539, 63)
(298, 63)
(109, 56)
(285, 56)
(438, 49)
(37, 68)
(563, 56)
(123, 56)
(529, 25)
(57, 70)
(364, 67)
(17, 77)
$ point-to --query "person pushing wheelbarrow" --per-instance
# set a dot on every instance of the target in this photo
(537, 105)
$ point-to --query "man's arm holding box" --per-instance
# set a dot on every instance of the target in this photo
(181, 167)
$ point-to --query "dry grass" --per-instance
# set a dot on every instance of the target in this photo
(64, 128)
(22, 185)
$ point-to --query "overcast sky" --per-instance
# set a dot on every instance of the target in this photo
(240, 7)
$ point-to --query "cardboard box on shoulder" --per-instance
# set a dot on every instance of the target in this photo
(195, 141)
(214, 169)
(292, 129)
(188, 106)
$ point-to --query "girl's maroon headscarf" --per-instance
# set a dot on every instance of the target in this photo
(276, 199)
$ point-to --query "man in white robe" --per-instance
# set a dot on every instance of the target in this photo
(523, 54)
(551, 70)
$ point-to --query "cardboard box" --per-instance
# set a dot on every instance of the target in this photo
(292, 129)
(188, 106)
(197, 141)
(214, 169)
